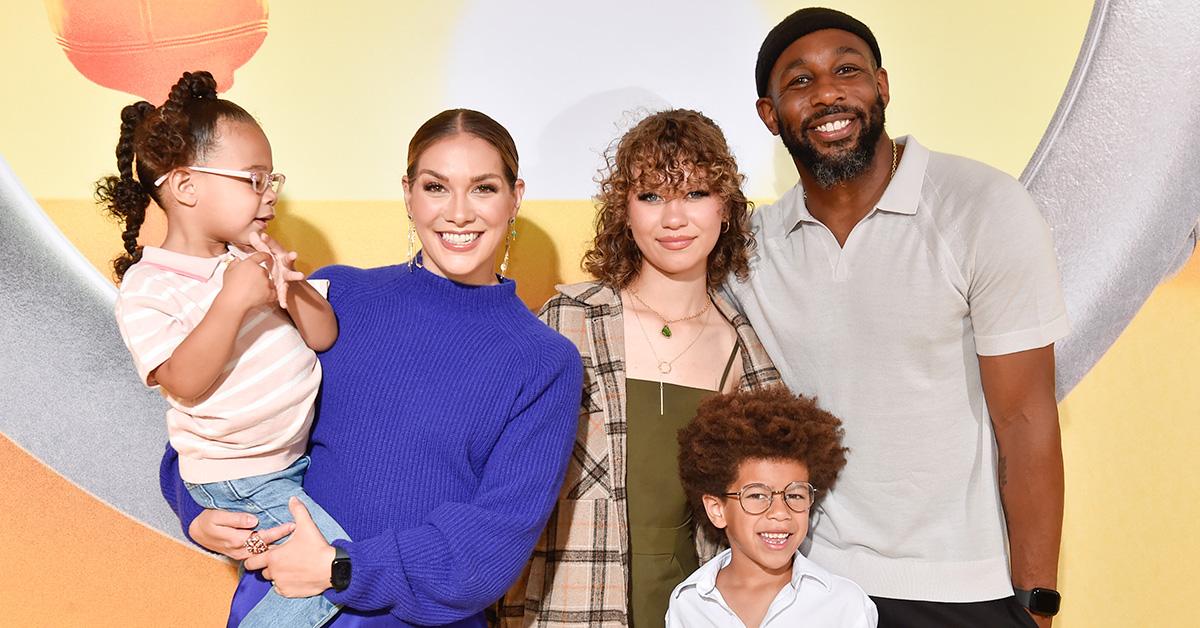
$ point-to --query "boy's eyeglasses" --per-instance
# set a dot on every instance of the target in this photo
(260, 180)
(757, 498)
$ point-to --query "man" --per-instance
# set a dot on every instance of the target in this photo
(915, 294)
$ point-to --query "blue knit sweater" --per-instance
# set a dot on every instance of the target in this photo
(446, 416)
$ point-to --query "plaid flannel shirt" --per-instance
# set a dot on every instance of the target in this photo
(579, 573)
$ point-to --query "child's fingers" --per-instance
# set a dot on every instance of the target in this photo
(262, 257)
(259, 242)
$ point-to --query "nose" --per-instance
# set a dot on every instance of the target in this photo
(458, 210)
(779, 510)
(827, 91)
(270, 197)
(674, 215)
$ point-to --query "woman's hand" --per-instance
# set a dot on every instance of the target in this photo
(302, 566)
(226, 532)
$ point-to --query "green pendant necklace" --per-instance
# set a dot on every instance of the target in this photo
(666, 328)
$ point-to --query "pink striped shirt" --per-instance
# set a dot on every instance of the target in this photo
(256, 417)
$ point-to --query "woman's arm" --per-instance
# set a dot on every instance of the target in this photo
(466, 554)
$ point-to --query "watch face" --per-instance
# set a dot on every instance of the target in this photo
(1044, 601)
(340, 574)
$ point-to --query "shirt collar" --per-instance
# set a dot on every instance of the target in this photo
(902, 195)
(704, 579)
(199, 268)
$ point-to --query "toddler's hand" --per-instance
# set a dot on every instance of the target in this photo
(284, 267)
(248, 283)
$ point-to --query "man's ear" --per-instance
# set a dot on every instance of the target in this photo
(881, 84)
(714, 507)
(766, 113)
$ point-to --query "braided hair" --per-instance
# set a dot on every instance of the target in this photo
(153, 142)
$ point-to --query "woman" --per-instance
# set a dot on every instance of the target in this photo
(656, 339)
(445, 417)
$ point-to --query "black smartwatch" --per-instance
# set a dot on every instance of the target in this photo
(339, 573)
(1040, 601)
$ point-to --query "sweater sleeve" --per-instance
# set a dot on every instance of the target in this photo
(176, 494)
(466, 554)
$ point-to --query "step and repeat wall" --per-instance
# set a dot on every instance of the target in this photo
(340, 87)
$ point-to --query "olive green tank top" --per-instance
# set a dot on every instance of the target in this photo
(661, 544)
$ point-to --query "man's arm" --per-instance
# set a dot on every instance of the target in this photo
(1019, 388)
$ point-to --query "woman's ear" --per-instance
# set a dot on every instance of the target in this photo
(518, 193)
(714, 507)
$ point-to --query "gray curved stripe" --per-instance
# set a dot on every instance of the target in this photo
(69, 394)
(1115, 173)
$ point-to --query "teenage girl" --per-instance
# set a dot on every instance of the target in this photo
(217, 317)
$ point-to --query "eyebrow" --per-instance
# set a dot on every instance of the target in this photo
(442, 177)
(843, 50)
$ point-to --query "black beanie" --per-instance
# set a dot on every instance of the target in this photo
(798, 25)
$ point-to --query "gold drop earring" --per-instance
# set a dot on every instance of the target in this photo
(512, 235)
(412, 243)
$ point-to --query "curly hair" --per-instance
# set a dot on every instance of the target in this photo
(154, 141)
(765, 424)
(657, 154)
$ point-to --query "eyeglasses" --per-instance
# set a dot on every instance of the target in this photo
(757, 498)
(260, 180)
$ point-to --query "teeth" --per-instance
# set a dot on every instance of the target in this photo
(776, 536)
(459, 238)
(836, 125)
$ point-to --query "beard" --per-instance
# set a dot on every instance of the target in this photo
(844, 165)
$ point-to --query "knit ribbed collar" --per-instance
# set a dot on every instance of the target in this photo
(448, 292)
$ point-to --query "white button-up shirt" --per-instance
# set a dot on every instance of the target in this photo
(813, 598)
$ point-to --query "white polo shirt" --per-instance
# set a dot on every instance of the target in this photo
(955, 261)
(814, 598)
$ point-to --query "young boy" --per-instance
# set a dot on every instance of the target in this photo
(752, 464)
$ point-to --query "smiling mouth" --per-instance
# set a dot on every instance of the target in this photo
(459, 239)
(835, 125)
(775, 540)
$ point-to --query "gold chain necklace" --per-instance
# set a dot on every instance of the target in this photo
(664, 366)
(666, 328)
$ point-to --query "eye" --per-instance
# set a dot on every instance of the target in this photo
(433, 187)
(486, 188)
(846, 70)
(800, 80)
(649, 197)
(697, 194)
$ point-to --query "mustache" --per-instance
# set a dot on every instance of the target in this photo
(831, 110)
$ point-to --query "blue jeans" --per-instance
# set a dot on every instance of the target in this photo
(266, 497)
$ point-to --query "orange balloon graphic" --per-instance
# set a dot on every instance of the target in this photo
(142, 46)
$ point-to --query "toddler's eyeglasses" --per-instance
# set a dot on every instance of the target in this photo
(757, 498)
(260, 180)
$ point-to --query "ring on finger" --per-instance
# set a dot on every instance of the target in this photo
(255, 544)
